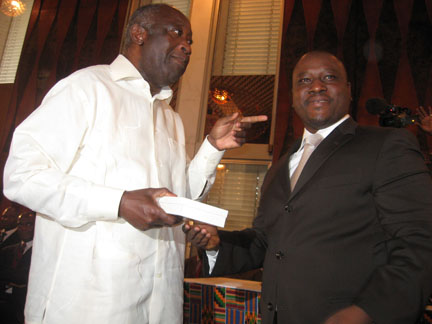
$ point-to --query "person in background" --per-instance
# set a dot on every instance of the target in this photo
(425, 124)
(425, 119)
(14, 270)
(8, 226)
(344, 227)
(92, 161)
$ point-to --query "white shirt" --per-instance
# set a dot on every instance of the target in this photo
(295, 157)
(97, 133)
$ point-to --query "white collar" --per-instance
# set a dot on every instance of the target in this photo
(122, 69)
(324, 132)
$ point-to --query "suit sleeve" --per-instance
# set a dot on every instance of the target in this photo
(245, 250)
(239, 251)
(402, 191)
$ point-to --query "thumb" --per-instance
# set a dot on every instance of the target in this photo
(229, 119)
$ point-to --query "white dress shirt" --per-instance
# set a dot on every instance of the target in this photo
(295, 157)
(97, 133)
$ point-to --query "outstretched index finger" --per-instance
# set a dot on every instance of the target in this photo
(254, 119)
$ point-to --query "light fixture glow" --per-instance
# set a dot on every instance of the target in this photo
(220, 96)
(221, 166)
(12, 8)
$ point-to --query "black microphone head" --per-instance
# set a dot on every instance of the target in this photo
(376, 106)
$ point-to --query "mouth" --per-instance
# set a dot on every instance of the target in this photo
(317, 101)
(182, 60)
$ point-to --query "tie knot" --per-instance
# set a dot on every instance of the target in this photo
(314, 139)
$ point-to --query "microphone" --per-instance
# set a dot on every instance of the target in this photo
(376, 106)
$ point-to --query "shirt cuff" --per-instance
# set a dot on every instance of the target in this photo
(211, 256)
(209, 157)
(103, 203)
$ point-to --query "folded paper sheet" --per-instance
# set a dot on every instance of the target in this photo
(194, 210)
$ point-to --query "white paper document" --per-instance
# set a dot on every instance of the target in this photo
(194, 210)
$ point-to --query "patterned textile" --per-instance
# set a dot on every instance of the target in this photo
(208, 304)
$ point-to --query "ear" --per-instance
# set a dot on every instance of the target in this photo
(138, 34)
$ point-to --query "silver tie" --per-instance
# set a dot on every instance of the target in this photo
(311, 142)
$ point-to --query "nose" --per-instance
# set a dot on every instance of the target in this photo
(185, 47)
(317, 86)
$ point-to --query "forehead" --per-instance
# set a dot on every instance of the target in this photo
(170, 16)
(318, 62)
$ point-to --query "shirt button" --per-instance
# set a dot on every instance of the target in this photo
(279, 255)
(270, 306)
(288, 208)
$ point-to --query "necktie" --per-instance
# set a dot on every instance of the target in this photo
(311, 142)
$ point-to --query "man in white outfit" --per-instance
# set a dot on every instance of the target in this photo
(91, 160)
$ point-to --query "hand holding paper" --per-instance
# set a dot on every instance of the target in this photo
(140, 209)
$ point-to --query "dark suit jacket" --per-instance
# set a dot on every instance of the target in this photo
(357, 229)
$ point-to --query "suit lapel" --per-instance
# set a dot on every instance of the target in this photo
(336, 139)
(279, 172)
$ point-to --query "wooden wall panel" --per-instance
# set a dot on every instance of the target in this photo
(62, 36)
(385, 45)
(5, 95)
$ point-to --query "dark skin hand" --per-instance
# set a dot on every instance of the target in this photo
(349, 315)
(140, 209)
(425, 119)
(202, 236)
(229, 132)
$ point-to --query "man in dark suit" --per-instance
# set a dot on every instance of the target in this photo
(351, 243)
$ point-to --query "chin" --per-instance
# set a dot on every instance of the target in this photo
(319, 123)
(174, 79)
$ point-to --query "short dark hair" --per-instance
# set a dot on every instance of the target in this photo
(144, 16)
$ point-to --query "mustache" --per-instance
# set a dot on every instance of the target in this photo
(183, 58)
(318, 97)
